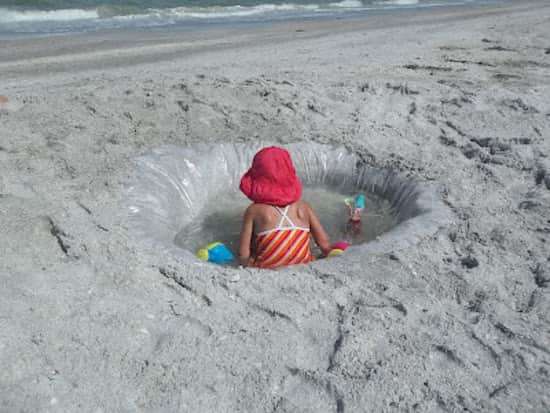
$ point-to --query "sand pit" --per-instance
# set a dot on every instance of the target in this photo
(183, 198)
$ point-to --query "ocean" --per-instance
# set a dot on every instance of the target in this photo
(70, 16)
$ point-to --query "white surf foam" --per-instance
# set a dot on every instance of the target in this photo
(16, 16)
(399, 2)
(347, 4)
(228, 11)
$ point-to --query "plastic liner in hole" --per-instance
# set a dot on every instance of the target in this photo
(172, 185)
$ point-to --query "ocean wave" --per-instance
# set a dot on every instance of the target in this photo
(23, 16)
(107, 16)
(177, 13)
(399, 2)
(347, 4)
(228, 11)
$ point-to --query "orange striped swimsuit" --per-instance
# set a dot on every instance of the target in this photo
(283, 245)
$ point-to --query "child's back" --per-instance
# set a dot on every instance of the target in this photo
(277, 226)
(281, 235)
(267, 216)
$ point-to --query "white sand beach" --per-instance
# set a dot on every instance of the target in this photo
(92, 320)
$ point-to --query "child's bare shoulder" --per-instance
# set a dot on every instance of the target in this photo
(304, 209)
(303, 206)
(255, 209)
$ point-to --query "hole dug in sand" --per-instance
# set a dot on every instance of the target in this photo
(182, 198)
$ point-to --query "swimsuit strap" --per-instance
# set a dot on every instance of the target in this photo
(284, 217)
(281, 226)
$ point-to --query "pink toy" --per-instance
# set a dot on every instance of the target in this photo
(338, 248)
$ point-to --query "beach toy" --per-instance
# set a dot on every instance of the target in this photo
(338, 248)
(216, 253)
(358, 202)
(356, 206)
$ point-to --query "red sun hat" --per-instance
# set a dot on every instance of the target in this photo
(272, 178)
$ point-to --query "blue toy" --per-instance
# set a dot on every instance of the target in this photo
(360, 201)
(216, 253)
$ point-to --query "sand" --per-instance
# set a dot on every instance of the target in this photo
(92, 321)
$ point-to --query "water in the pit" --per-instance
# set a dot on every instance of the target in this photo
(222, 218)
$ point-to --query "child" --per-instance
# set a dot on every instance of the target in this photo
(277, 225)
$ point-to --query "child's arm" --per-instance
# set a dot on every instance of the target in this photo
(246, 237)
(318, 232)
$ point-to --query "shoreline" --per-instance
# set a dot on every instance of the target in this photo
(127, 47)
(244, 15)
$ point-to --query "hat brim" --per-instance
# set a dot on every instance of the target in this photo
(266, 191)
